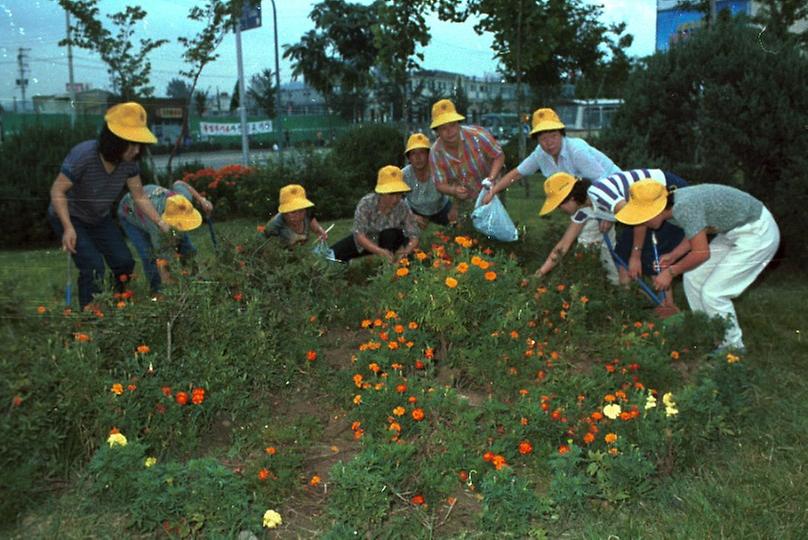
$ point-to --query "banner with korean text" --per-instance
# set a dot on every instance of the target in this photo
(212, 129)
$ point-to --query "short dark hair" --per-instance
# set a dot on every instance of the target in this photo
(112, 147)
(578, 192)
(563, 132)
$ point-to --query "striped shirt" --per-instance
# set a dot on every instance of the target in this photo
(576, 157)
(478, 150)
(94, 190)
(605, 194)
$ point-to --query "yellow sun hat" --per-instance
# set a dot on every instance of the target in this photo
(556, 188)
(417, 140)
(293, 197)
(128, 121)
(391, 180)
(444, 112)
(180, 214)
(545, 120)
(648, 198)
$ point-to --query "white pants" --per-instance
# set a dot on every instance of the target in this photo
(736, 259)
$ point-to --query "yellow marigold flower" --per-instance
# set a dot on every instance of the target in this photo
(117, 389)
(391, 314)
(420, 255)
(475, 260)
(612, 411)
(451, 282)
(366, 323)
(402, 272)
(731, 358)
(399, 411)
(116, 439)
(151, 461)
(272, 519)
(671, 411)
(357, 399)
(490, 276)
(650, 402)
(315, 481)
(667, 399)
(462, 268)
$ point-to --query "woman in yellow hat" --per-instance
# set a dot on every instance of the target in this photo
(569, 193)
(746, 239)
(424, 199)
(383, 223)
(176, 207)
(295, 218)
(555, 152)
(91, 178)
(463, 156)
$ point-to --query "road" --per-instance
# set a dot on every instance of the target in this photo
(213, 159)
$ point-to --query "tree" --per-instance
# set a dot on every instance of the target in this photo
(235, 99)
(720, 108)
(129, 70)
(201, 102)
(177, 88)
(336, 57)
(778, 16)
(262, 91)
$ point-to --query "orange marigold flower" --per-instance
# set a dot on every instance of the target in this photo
(584, 299)
(462, 268)
(402, 272)
(418, 414)
(143, 348)
(412, 325)
(238, 297)
(488, 456)
(419, 364)
(484, 265)
(315, 481)
(490, 276)
(81, 338)
(450, 282)
(260, 228)
(181, 398)
(398, 329)
(131, 387)
(399, 411)
(357, 399)
(198, 396)
(675, 355)
(16, 401)
(270, 450)
(596, 416)
(392, 345)
(41, 310)
(378, 322)
(523, 391)
(117, 389)
(263, 474)
(395, 426)
(420, 255)
(561, 287)
(563, 449)
(391, 314)
(366, 323)
(120, 305)
(417, 500)
(589, 438)
(498, 461)
(311, 356)
(166, 390)
(412, 399)
(374, 367)
(610, 438)
(358, 433)
(609, 398)
(401, 388)
(525, 448)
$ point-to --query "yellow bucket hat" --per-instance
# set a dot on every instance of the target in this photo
(545, 120)
(180, 214)
(391, 180)
(293, 197)
(128, 121)
(556, 188)
(417, 140)
(648, 198)
(443, 112)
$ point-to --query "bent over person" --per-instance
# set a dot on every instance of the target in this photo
(92, 176)
(383, 223)
(714, 272)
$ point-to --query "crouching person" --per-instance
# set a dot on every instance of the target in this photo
(715, 272)
(383, 223)
(295, 218)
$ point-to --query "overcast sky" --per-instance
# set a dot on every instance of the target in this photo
(38, 25)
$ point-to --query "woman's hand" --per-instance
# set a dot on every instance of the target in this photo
(69, 240)
(488, 197)
(635, 265)
(662, 281)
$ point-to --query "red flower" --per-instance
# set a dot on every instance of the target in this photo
(166, 391)
(463, 476)
(488, 456)
(198, 396)
(401, 388)
(263, 474)
(16, 401)
(182, 398)
(418, 414)
(419, 364)
(418, 500)
(525, 448)
(311, 356)
(238, 297)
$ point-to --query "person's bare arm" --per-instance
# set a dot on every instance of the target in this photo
(58, 195)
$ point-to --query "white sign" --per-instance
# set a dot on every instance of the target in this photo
(211, 129)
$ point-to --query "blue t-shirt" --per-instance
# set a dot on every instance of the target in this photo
(94, 190)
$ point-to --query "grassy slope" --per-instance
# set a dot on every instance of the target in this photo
(749, 485)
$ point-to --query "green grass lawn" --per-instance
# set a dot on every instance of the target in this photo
(751, 483)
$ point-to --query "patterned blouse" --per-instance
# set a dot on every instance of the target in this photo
(478, 150)
(369, 221)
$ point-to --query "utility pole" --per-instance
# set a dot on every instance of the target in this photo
(71, 85)
(242, 99)
(277, 81)
(22, 64)
(713, 13)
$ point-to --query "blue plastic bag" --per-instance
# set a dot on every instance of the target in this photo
(492, 219)
(321, 248)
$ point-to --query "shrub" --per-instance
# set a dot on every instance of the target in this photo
(360, 152)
